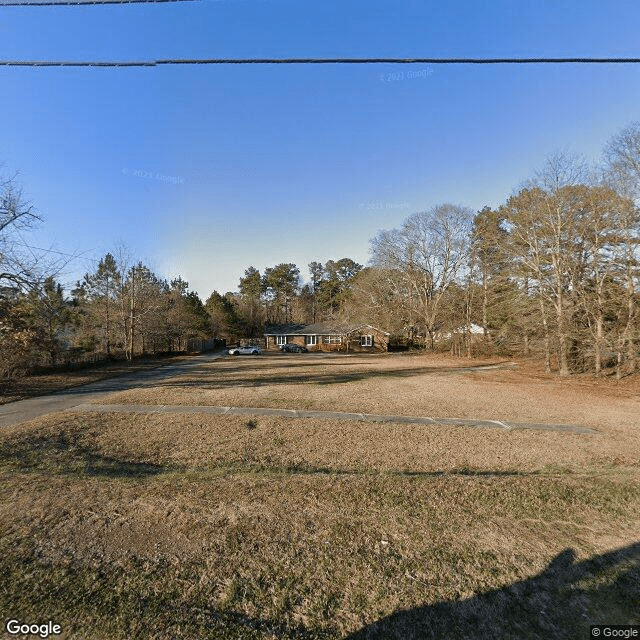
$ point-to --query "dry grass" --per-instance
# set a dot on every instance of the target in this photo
(202, 442)
(434, 386)
(195, 526)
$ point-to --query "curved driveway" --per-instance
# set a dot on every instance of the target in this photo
(80, 399)
(22, 410)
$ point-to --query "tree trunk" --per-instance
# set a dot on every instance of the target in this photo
(108, 343)
(525, 331)
(631, 311)
(131, 317)
(619, 363)
(598, 345)
(563, 364)
(468, 319)
(485, 305)
(547, 343)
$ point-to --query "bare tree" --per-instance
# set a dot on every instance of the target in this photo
(379, 297)
(146, 305)
(18, 338)
(16, 215)
(430, 251)
(528, 247)
(546, 221)
(622, 161)
(622, 171)
(573, 244)
(561, 169)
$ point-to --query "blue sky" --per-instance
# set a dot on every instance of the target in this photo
(203, 171)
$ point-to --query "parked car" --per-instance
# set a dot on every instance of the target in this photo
(248, 350)
(291, 347)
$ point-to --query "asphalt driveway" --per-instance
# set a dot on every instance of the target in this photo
(22, 410)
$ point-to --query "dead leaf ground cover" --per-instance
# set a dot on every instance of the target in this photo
(40, 384)
(194, 526)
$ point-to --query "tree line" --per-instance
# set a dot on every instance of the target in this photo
(131, 309)
(552, 272)
(118, 311)
(278, 296)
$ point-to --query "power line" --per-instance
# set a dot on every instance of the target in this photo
(62, 253)
(52, 3)
(208, 61)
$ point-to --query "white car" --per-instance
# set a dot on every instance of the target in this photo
(249, 350)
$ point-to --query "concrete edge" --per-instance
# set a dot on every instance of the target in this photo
(329, 415)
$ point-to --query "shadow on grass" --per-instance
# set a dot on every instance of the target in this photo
(64, 453)
(258, 467)
(561, 602)
(216, 374)
(229, 377)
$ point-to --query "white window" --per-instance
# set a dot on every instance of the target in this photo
(311, 340)
(332, 340)
(280, 340)
(366, 341)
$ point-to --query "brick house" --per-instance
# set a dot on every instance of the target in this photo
(322, 336)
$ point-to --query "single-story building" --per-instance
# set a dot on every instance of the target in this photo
(322, 336)
(475, 330)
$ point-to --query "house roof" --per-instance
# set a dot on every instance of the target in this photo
(474, 329)
(318, 328)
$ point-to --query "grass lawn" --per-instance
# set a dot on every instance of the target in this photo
(205, 526)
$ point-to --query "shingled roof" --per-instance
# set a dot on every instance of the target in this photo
(317, 329)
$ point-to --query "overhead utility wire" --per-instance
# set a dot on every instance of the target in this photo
(206, 61)
(53, 3)
(62, 253)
